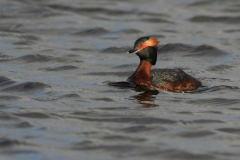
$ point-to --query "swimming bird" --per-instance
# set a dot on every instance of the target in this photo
(175, 80)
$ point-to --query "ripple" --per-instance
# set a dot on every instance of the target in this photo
(130, 31)
(142, 128)
(9, 98)
(123, 66)
(26, 10)
(122, 138)
(37, 115)
(4, 142)
(49, 97)
(172, 47)
(35, 58)
(203, 121)
(203, 3)
(73, 95)
(82, 49)
(145, 120)
(27, 154)
(181, 155)
(119, 74)
(90, 10)
(224, 87)
(24, 43)
(232, 31)
(32, 58)
(206, 50)
(61, 68)
(27, 86)
(29, 37)
(221, 19)
(92, 32)
(201, 51)
(21, 37)
(151, 14)
(195, 134)
(219, 68)
(115, 50)
(230, 130)
(22, 125)
(4, 57)
(156, 20)
(110, 148)
(233, 8)
(112, 108)
(4, 81)
(214, 102)
(103, 99)
(159, 36)
(7, 117)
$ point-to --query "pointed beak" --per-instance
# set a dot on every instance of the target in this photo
(133, 51)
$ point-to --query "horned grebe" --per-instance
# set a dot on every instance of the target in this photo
(174, 80)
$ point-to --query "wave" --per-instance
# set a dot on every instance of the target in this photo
(219, 19)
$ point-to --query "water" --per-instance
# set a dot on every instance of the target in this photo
(58, 58)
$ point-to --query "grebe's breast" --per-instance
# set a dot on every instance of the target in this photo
(173, 79)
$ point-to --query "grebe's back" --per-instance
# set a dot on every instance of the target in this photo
(173, 80)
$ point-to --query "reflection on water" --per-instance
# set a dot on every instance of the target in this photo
(146, 97)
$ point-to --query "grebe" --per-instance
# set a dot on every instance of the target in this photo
(174, 80)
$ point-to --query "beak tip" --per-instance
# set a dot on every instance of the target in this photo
(133, 51)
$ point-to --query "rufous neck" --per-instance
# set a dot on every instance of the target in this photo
(142, 75)
(144, 67)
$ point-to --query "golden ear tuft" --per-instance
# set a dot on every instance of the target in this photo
(153, 42)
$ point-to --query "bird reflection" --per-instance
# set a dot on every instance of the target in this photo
(146, 97)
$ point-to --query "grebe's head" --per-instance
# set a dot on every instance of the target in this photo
(146, 49)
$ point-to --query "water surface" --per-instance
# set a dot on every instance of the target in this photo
(58, 58)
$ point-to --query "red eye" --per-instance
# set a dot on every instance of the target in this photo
(144, 46)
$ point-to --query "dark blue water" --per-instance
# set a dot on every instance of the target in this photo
(63, 67)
